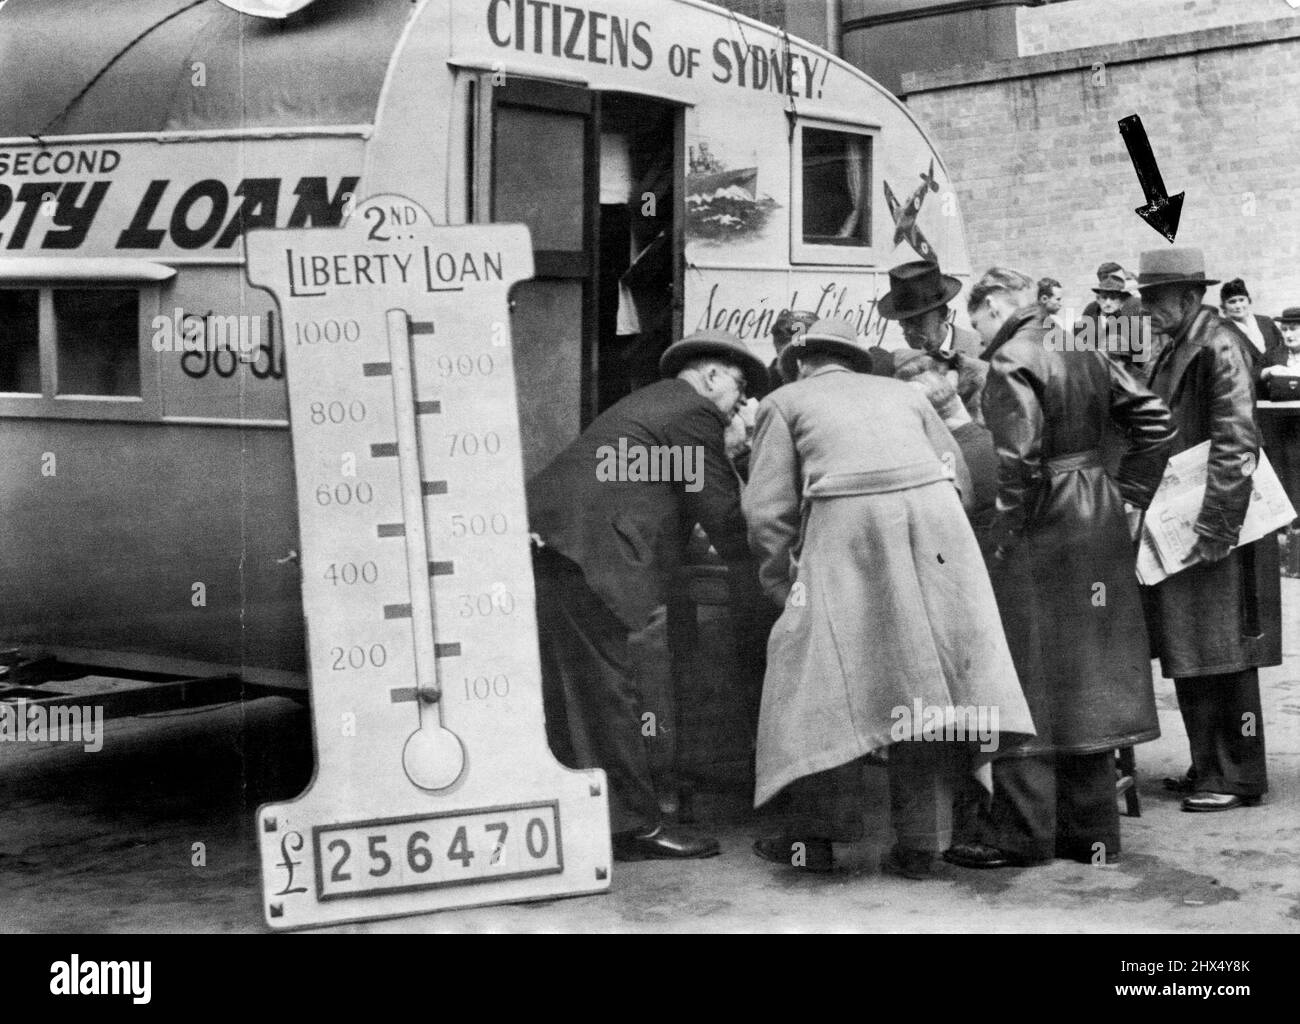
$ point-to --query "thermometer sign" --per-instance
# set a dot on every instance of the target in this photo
(434, 786)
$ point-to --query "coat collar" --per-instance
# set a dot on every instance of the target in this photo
(1184, 346)
(1009, 329)
(828, 368)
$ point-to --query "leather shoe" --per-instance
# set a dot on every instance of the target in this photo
(664, 843)
(1207, 801)
(785, 850)
(978, 855)
(916, 864)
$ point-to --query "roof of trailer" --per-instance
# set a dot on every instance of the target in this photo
(105, 66)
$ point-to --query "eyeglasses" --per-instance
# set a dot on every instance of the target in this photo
(741, 383)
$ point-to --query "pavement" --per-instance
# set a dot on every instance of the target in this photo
(154, 833)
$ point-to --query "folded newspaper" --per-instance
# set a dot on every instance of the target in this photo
(1168, 533)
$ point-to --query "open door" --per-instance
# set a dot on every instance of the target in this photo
(536, 163)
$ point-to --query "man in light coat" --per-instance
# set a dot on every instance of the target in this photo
(889, 623)
(1216, 622)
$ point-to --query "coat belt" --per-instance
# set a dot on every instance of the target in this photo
(878, 481)
(1075, 460)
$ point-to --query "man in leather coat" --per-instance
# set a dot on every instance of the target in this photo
(1214, 623)
(1063, 573)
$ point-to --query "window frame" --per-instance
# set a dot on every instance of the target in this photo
(838, 255)
(49, 404)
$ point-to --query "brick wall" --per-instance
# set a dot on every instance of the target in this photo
(1080, 23)
(1045, 182)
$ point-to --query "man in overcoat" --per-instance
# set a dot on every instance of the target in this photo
(610, 527)
(1216, 622)
(887, 606)
(918, 298)
(1064, 576)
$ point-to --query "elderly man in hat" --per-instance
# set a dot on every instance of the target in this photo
(1064, 579)
(1217, 621)
(611, 517)
(854, 515)
(918, 299)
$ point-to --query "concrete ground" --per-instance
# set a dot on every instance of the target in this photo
(104, 842)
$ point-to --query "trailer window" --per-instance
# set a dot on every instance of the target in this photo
(98, 341)
(836, 187)
(20, 341)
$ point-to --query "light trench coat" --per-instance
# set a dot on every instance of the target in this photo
(860, 533)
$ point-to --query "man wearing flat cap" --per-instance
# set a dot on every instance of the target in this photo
(854, 512)
(611, 516)
(1217, 621)
(918, 298)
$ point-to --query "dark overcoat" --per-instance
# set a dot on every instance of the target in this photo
(1066, 584)
(628, 536)
(1226, 616)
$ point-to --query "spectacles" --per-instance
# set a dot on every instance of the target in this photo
(739, 379)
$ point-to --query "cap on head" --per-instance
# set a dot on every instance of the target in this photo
(1174, 265)
(828, 336)
(1234, 289)
(718, 345)
(916, 288)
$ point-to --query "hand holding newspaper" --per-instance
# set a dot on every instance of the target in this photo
(1168, 533)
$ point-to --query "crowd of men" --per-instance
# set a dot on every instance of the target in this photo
(976, 498)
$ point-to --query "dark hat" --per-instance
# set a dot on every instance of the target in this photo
(1234, 289)
(1174, 265)
(1109, 268)
(1290, 315)
(790, 319)
(724, 347)
(830, 336)
(1111, 284)
(916, 288)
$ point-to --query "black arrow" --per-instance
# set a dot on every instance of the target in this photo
(1162, 210)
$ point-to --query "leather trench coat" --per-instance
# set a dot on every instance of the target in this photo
(1065, 578)
(1226, 616)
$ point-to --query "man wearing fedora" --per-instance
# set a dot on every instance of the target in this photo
(1063, 575)
(918, 297)
(887, 604)
(1217, 621)
(604, 553)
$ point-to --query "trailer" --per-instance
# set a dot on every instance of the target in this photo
(678, 166)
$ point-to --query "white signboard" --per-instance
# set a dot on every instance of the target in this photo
(434, 787)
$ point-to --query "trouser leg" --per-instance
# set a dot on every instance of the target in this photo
(1087, 814)
(1225, 729)
(832, 804)
(592, 699)
(1021, 817)
(921, 795)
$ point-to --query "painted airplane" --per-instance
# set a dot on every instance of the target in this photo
(905, 228)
